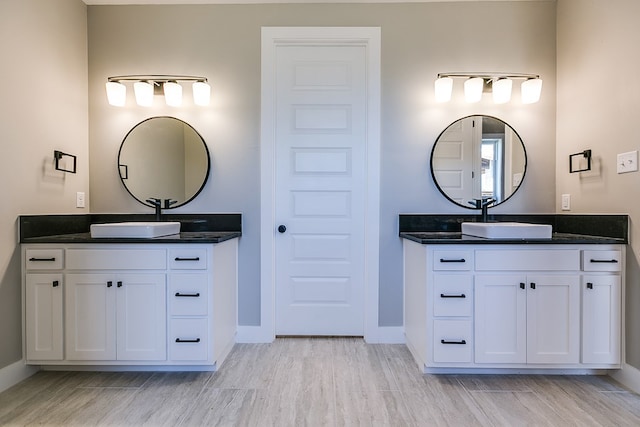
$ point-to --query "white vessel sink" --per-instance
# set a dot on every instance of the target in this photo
(135, 229)
(507, 230)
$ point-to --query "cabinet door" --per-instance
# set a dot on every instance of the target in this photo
(141, 317)
(500, 318)
(43, 316)
(601, 311)
(553, 319)
(90, 332)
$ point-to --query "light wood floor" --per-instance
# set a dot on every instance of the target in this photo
(316, 382)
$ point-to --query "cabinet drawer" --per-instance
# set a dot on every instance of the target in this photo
(528, 259)
(189, 339)
(452, 260)
(453, 341)
(452, 295)
(120, 259)
(601, 260)
(188, 259)
(44, 259)
(188, 294)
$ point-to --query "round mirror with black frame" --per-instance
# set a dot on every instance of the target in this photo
(478, 158)
(164, 158)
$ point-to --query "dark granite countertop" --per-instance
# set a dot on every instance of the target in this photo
(567, 228)
(195, 228)
(186, 237)
(453, 237)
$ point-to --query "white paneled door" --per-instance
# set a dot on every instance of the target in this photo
(320, 180)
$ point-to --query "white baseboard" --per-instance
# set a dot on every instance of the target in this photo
(628, 376)
(253, 334)
(383, 335)
(14, 373)
(389, 335)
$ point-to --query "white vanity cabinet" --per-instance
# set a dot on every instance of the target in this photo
(493, 306)
(527, 318)
(601, 306)
(43, 303)
(115, 316)
(129, 304)
(189, 334)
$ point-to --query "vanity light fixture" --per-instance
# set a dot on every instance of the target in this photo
(473, 88)
(144, 93)
(145, 87)
(173, 94)
(500, 84)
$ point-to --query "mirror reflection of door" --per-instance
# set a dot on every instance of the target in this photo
(478, 157)
(454, 158)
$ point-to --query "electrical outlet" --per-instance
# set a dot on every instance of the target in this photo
(517, 179)
(80, 199)
(566, 202)
(627, 162)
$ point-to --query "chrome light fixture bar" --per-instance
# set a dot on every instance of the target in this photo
(500, 84)
(146, 86)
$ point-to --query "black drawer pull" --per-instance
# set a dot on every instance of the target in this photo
(55, 284)
(197, 258)
(181, 340)
(452, 260)
(533, 285)
(453, 342)
(109, 284)
(119, 284)
(42, 259)
(522, 285)
(452, 296)
(605, 261)
(589, 285)
(196, 295)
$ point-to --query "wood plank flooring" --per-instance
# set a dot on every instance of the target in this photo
(316, 382)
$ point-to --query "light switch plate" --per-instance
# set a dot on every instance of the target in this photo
(627, 162)
(566, 202)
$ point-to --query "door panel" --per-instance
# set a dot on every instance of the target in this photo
(320, 189)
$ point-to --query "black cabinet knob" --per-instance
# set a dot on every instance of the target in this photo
(282, 228)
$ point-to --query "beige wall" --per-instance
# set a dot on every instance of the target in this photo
(43, 107)
(598, 108)
(222, 42)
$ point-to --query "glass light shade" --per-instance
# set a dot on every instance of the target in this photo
(144, 93)
(201, 93)
(473, 89)
(501, 90)
(116, 93)
(172, 94)
(531, 90)
(443, 87)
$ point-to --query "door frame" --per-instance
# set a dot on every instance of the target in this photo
(272, 37)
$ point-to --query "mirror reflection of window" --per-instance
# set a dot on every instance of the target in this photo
(492, 165)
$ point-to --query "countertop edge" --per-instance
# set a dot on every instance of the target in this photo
(456, 238)
(185, 237)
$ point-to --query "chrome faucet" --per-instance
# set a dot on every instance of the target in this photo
(483, 204)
